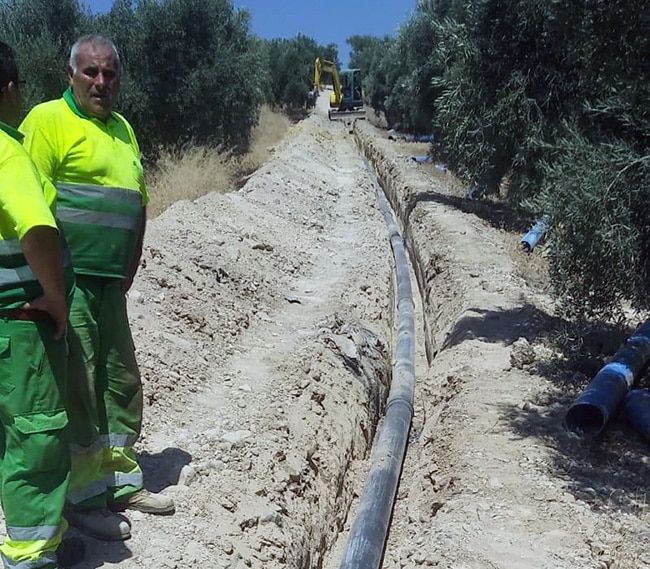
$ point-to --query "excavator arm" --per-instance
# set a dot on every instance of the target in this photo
(324, 66)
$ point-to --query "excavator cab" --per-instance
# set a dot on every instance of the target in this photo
(351, 96)
(347, 100)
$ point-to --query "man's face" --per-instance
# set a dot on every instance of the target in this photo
(96, 82)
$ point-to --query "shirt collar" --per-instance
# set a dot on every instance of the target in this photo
(68, 97)
(11, 131)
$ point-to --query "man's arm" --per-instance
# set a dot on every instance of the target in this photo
(40, 141)
(42, 250)
(137, 254)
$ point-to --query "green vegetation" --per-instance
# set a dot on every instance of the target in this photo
(291, 67)
(544, 103)
(548, 104)
(192, 71)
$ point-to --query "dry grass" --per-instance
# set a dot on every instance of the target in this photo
(533, 267)
(272, 128)
(195, 171)
(186, 175)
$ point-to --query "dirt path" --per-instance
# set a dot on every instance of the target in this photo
(263, 324)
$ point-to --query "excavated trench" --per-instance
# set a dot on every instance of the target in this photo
(434, 272)
(266, 338)
(290, 353)
(430, 268)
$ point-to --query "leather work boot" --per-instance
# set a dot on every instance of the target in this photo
(101, 523)
(147, 502)
(71, 551)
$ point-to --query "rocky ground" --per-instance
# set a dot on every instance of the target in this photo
(264, 326)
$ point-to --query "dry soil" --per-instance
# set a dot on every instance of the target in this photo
(265, 330)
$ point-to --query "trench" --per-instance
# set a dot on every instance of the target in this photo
(429, 265)
(315, 521)
(362, 546)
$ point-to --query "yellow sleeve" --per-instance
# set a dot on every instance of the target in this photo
(22, 203)
(40, 141)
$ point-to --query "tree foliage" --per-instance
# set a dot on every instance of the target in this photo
(370, 55)
(40, 33)
(192, 72)
(552, 97)
(291, 69)
(601, 232)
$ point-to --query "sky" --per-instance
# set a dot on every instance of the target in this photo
(325, 22)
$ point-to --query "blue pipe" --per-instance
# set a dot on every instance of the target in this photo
(636, 411)
(534, 236)
(590, 412)
(425, 158)
(365, 545)
(419, 138)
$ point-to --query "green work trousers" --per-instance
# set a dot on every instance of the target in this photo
(34, 448)
(104, 396)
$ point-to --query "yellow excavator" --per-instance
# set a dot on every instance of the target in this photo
(346, 101)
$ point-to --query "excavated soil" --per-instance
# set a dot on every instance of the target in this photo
(265, 329)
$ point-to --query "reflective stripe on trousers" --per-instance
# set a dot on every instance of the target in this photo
(103, 474)
(34, 471)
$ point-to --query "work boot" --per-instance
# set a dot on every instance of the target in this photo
(71, 551)
(147, 502)
(100, 523)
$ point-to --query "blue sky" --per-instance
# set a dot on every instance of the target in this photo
(326, 22)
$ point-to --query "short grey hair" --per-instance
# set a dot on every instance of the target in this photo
(94, 39)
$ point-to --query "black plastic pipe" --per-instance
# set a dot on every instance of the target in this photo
(636, 411)
(366, 541)
(591, 411)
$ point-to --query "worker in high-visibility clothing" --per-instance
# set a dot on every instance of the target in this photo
(91, 155)
(36, 285)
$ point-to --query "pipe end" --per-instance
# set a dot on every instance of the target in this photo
(585, 420)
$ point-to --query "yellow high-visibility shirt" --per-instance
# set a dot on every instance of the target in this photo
(96, 169)
(23, 203)
(27, 200)
(70, 147)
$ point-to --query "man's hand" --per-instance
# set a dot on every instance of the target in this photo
(42, 250)
(56, 308)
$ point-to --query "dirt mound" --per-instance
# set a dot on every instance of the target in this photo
(263, 322)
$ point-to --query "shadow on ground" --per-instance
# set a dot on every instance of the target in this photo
(496, 213)
(160, 471)
(503, 326)
(611, 472)
(163, 469)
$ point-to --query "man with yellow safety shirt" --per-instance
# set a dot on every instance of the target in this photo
(91, 155)
(36, 284)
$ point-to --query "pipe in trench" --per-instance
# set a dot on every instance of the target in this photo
(366, 540)
(591, 411)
